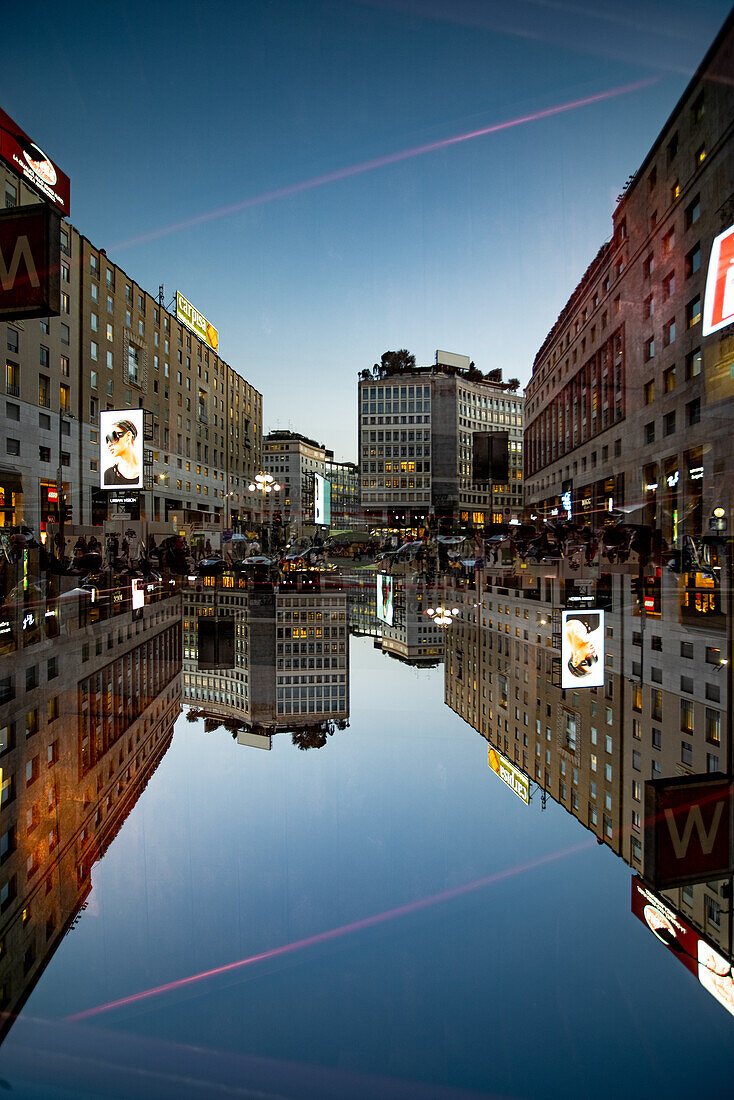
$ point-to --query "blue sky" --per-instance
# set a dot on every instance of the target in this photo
(193, 134)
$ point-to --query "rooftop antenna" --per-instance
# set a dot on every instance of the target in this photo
(161, 295)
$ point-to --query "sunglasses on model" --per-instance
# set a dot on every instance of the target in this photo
(115, 436)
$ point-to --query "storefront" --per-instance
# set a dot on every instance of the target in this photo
(11, 497)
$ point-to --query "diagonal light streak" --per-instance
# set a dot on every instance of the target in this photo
(382, 162)
(337, 933)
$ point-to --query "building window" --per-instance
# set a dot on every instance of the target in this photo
(693, 412)
(669, 423)
(650, 432)
(693, 261)
(713, 726)
(669, 380)
(693, 311)
(650, 348)
(669, 333)
(694, 361)
(650, 391)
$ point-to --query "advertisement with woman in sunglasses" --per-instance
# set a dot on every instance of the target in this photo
(121, 449)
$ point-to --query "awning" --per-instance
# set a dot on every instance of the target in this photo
(11, 480)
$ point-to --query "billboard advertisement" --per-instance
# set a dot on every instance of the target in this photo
(322, 500)
(516, 780)
(30, 264)
(197, 322)
(718, 302)
(121, 449)
(31, 163)
(490, 456)
(713, 971)
(384, 598)
(582, 648)
(138, 593)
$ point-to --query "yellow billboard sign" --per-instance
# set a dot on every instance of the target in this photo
(516, 780)
(197, 322)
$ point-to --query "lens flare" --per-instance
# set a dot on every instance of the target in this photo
(336, 933)
(382, 162)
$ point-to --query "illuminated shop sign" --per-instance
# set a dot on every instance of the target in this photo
(718, 302)
(516, 780)
(582, 648)
(197, 322)
(32, 164)
(566, 504)
(713, 971)
(30, 264)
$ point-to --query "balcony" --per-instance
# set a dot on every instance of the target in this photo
(44, 400)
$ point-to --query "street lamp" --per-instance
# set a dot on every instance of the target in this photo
(266, 485)
(442, 616)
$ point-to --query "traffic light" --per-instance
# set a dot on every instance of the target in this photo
(67, 512)
(638, 586)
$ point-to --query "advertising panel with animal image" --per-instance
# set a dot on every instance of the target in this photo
(121, 449)
(582, 648)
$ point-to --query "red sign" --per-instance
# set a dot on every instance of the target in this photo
(687, 829)
(53, 494)
(718, 303)
(704, 961)
(30, 262)
(666, 924)
(31, 163)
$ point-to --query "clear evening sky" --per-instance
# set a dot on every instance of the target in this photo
(288, 165)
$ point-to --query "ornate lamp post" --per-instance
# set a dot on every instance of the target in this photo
(266, 485)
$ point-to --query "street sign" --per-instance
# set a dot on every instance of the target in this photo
(30, 262)
(687, 827)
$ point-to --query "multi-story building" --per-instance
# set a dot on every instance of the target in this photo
(287, 664)
(413, 636)
(416, 432)
(344, 480)
(629, 405)
(660, 712)
(293, 459)
(115, 346)
(89, 694)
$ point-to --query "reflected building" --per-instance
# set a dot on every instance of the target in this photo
(661, 708)
(86, 714)
(281, 660)
(413, 637)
